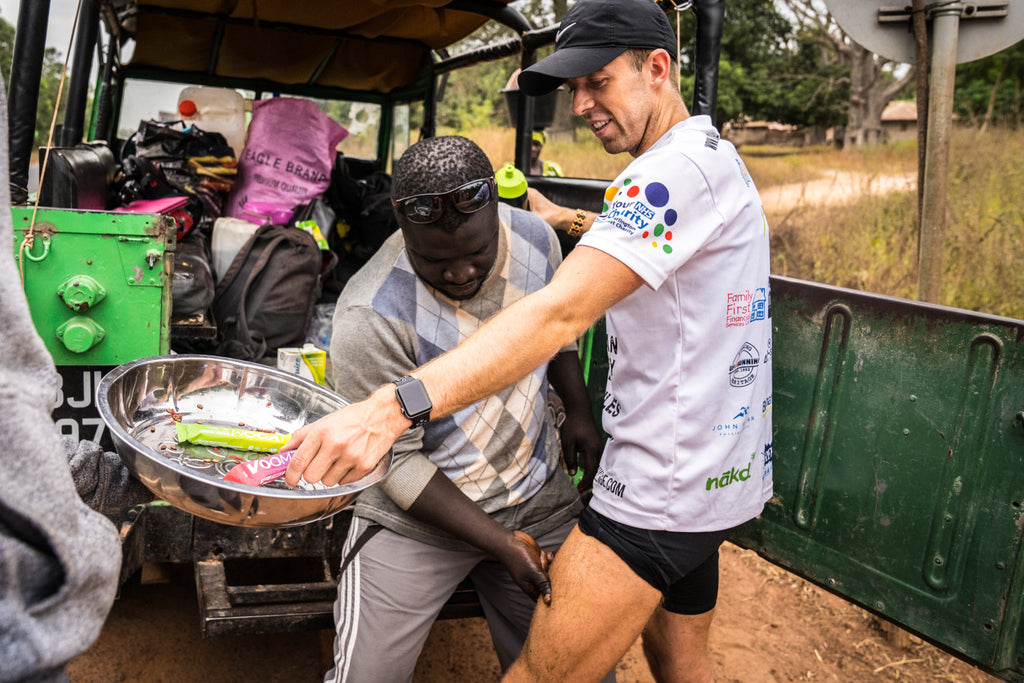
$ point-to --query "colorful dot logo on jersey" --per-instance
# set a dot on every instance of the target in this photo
(640, 201)
(657, 195)
(609, 195)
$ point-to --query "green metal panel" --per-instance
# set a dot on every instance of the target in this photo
(898, 456)
(899, 464)
(98, 284)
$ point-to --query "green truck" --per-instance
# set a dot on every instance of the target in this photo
(898, 425)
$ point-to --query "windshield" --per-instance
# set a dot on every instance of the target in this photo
(361, 120)
(229, 111)
(152, 101)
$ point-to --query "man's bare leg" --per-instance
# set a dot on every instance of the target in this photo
(598, 608)
(676, 646)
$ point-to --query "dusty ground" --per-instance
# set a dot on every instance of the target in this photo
(770, 627)
(834, 187)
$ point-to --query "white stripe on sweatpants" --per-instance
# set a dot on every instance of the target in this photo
(347, 625)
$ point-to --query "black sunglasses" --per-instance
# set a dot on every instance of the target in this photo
(427, 208)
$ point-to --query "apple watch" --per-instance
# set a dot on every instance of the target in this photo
(413, 399)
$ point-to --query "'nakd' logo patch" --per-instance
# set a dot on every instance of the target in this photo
(632, 208)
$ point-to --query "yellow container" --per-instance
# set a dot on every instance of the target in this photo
(308, 362)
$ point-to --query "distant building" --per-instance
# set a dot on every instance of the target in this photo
(760, 133)
(773, 133)
(899, 121)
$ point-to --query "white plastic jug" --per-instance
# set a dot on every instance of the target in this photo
(215, 110)
(229, 235)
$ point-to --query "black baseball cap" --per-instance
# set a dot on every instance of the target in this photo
(593, 33)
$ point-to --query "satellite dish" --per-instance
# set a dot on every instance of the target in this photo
(883, 27)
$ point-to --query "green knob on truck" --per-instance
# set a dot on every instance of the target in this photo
(79, 334)
(81, 292)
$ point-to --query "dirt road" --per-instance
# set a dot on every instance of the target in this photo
(770, 627)
(835, 187)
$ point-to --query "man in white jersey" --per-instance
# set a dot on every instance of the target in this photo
(678, 260)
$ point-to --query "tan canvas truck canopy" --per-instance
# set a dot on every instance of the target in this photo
(365, 45)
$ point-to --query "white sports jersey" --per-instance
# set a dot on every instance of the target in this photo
(688, 403)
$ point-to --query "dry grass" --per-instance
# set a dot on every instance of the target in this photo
(773, 165)
(580, 158)
(584, 157)
(871, 243)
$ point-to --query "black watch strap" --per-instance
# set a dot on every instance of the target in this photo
(413, 400)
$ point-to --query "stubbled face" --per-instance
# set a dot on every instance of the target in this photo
(616, 106)
(454, 263)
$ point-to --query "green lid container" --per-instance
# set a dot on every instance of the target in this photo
(511, 182)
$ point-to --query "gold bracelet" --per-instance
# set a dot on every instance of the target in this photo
(576, 229)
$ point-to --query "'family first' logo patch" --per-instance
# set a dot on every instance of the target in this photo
(748, 306)
(631, 209)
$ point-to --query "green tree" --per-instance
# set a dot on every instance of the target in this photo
(49, 83)
(732, 90)
(805, 85)
(988, 90)
(6, 50)
(867, 77)
(472, 97)
(755, 51)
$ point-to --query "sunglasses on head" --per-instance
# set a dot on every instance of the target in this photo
(427, 208)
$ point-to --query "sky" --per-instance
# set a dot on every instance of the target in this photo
(62, 17)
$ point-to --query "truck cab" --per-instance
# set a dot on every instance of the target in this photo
(898, 445)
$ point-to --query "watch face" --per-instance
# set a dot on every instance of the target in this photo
(414, 398)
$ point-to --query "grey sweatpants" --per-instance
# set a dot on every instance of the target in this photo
(392, 591)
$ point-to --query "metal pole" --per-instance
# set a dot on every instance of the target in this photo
(920, 25)
(710, 17)
(429, 128)
(104, 108)
(524, 118)
(23, 92)
(945, 24)
(78, 86)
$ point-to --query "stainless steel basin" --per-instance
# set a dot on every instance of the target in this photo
(140, 400)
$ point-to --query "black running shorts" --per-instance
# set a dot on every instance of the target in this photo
(682, 565)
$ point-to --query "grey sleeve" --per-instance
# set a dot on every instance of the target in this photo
(368, 351)
(554, 254)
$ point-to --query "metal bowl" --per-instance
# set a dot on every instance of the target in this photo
(140, 400)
